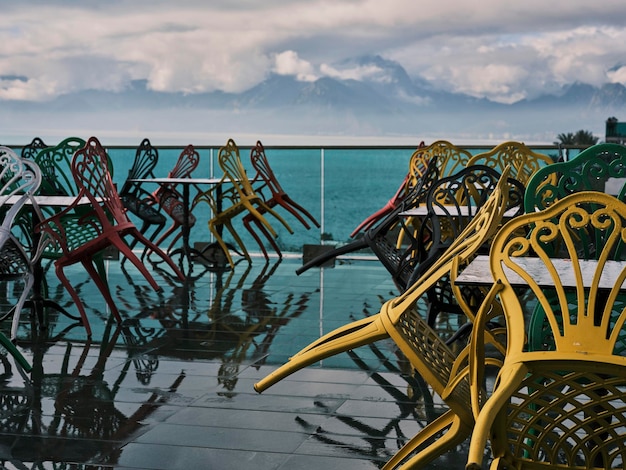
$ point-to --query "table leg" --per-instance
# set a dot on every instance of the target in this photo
(218, 258)
(38, 303)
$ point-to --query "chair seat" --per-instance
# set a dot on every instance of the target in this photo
(13, 264)
(176, 210)
(86, 238)
(141, 209)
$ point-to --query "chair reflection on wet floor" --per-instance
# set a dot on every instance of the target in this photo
(229, 329)
(187, 391)
(85, 421)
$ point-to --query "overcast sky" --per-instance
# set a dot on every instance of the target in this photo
(488, 48)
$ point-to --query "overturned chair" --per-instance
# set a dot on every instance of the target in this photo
(450, 159)
(240, 198)
(399, 319)
(137, 199)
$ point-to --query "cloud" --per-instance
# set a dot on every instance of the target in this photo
(361, 72)
(618, 75)
(288, 63)
(499, 50)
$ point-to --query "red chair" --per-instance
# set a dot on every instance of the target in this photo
(277, 197)
(106, 225)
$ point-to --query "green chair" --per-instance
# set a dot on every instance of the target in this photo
(601, 168)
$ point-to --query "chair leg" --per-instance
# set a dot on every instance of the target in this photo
(356, 245)
(282, 201)
(174, 240)
(297, 206)
(246, 224)
(132, 244)
(146, 251)
(350, 336)
(155, 249)
(372, 219)
(74, 295)
(257, 214)
(99, 279)
(218, 237)
(262, 229)
(17, 355)
(167, 233)
(121, 245)
(456, 433)
(28, 285)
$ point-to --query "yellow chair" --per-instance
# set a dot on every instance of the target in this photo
(558, 403)
(449, 158)
(241, 198)
(523, 161)
(427, 351)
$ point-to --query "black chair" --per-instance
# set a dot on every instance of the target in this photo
(136, 199)
(452, 203)
(31, 150)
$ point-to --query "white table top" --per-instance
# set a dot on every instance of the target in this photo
(422, 211)
(51, 201)
(478, 272)
(165, 180)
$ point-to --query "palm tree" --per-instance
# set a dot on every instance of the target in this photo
(581, 137)
(565, 139)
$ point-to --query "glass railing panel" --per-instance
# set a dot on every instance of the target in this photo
(358, 182)
(340, 186)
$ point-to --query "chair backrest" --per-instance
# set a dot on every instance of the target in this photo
(263, 169)
(55, 163)
(591, 325)
(452, 204)
(565, 406)
(453, 200)
(90, 168)
(17, 177)
(187, 162)
(418, 164)
(450, 157)
(230, 163)
(523, 161)
(31, 150)
(146, 159)
(596, 168)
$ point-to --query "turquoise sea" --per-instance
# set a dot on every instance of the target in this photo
(340, 186)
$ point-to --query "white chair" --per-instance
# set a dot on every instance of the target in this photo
(19, 180)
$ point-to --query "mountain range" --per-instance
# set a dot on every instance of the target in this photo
(389, 103)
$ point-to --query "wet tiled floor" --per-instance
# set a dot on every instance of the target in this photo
(172, 388)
